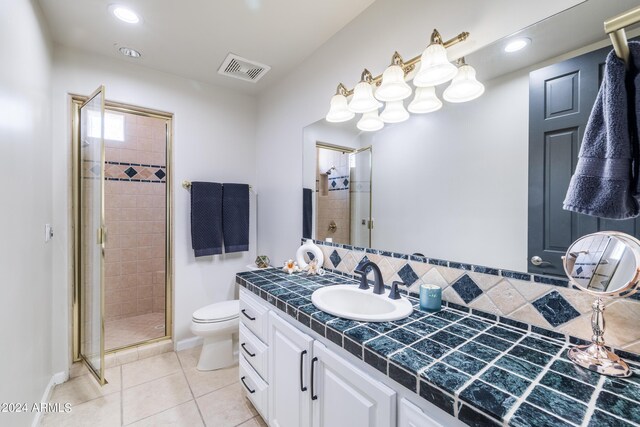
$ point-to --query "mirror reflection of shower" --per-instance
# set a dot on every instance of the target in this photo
(343, 202)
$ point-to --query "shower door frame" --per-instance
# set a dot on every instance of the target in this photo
(76, 102)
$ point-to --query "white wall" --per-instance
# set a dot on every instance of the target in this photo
(25, 189)
(214, 133)
(368, 41)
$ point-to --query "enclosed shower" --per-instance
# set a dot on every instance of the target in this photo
(122, 218)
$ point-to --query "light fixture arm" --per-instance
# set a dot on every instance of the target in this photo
(410, 65)
(342, 90)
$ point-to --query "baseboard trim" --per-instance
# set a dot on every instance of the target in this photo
(188, 343)
(57, 378)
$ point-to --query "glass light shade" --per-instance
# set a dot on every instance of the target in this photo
(363, 100)
(394, 112)
(464, 86)
(370, 122)
(393, 87)
(435, 68)
(338, 111)
(425, 101)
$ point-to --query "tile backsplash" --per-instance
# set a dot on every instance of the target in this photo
(548, 302)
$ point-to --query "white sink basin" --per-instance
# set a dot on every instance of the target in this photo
(349, 302)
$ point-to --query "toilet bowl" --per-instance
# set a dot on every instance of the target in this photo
(218, 325)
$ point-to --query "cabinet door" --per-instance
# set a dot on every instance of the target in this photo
(289, 356)
(347, 397)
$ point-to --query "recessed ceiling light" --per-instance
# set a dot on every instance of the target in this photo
(124, 14)
(127, 51)
(517, 44)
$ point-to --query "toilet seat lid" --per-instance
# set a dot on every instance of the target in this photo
(218, 312)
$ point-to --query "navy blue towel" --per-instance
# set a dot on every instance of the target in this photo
(307, 212)
(235, 217)
(605, 181)
(206, 218)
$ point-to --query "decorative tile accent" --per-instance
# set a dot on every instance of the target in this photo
(335, 258)
(134, 172)
(338, 183)
(407, 275)
(467, 289)
(555, 309)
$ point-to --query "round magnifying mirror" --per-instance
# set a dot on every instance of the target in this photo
(604, 264)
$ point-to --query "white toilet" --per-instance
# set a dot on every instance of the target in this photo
(218, 324)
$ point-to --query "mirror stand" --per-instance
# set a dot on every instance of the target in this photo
(603, 264)
(595, 356)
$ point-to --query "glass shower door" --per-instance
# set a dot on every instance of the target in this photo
(93, 233)
(360, 192)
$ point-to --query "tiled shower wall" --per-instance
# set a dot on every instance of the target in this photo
(547, 302)
(135, 215)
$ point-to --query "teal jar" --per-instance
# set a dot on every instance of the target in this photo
(430, 297)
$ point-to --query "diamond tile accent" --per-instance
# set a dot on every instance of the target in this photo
(467, 288)
(160, 174)
(555, 308)
(131, 172)
(335, 258)
(95, 170)
(407, 275)
(333, 184)
(345, 182)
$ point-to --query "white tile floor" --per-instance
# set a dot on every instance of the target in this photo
(132, 330)
(163, 390)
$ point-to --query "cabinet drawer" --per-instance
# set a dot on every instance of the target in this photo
(254, 315)
(255, 388)
(254, 351)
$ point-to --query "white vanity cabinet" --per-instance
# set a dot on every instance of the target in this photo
(345, 396)
(307, 384)
(254, 351)
(290, 354)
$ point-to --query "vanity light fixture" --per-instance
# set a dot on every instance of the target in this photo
(394, 112)
(363, 100)
(124, 14)
(339, 110)
(464, 86)
(370, 122)
(433, 68)
(425, 101)
(393, 87)
(517, 44)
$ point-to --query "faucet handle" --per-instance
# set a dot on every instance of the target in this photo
(364, 284)
(394, 294)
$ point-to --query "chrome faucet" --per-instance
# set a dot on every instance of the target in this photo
(378, 283)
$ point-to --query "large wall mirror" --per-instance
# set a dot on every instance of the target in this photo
(480, 182)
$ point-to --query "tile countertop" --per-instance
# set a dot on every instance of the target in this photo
(478, 370)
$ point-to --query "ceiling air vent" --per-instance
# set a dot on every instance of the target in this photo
(243, 69)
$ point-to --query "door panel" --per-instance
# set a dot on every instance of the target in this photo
(91, 223)
(560, 100)
(346, 396)
(289, 358)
